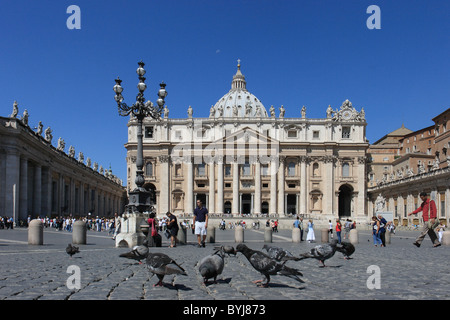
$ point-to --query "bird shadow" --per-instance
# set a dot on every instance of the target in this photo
(176, 286)
(220, 281)
(330, 266)
(281, 285)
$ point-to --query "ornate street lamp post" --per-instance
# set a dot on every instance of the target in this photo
(139, 198)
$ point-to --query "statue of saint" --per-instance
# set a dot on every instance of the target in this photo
(25, 117)
(272, 111)
(190, 112)
(303, 112)
(282, 111)
(48, 135)
(379, 203)
(15, 110)
(39, 128)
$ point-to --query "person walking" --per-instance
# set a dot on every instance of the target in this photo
(200, 223)
(172, 226)
(383, 224)
(429, 214)
(330, 228)
(376, 231)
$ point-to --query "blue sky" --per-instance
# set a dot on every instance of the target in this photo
(314, 53)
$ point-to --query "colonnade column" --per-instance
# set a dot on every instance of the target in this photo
(219, 204)
(281, 186)
(257, 198)
(235, 208)
(212, 189)
(303, 181)
(12, 184)
(37, 194)
(23, 197)
(164, 198)
(189, 201)
(273, 186)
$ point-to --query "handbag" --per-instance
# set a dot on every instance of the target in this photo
(167, 233)
(154, 231)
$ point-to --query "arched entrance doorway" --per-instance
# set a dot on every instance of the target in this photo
(345, 200)
(227, 207)
(264, 207)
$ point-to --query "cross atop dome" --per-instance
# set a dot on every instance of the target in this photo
(238, 79)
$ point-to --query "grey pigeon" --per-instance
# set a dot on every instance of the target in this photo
(279, 254)
(227, 249)
(346, 248)
(321, 252)
(162, 265)
(211, 266)
(71, 250)
(137, 253)
(267, 266)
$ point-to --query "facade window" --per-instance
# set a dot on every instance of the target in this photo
(227, 170)
(149, 169)
(345, 132)
(292, 134)
(291, 169)
(345, 170)
(264, 170)
(316, 134)
(246, 169)
(148, 132)
(201, 171)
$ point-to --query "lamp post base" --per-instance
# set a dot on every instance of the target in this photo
(130, 233)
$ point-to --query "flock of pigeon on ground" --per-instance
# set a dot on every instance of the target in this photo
(268, 264)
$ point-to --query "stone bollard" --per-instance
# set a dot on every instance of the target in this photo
(36, 232)
(79, 233)
(296, 235)
(353, 236)
(387, 237)
(325, 235)
(182, 235)
(446, 238)
(268, 235)
(211, 234)
(239, 234)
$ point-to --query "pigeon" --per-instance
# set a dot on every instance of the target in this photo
(137, 253)
(211, 266)
(321, 252)
(347, 249)
(71, 250)
(226, 249)
(267, 266)
(279, 254)
(161, 265)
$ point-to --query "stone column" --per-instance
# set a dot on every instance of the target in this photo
(23, 194)
(165, 185)
(257, 197)
(281, 183)
(273, 187)
(235, 206)
(219, 204)
(212, 189)
(37, 192)
(303, 181)
(46, 191)
(328, 185)
(189, 201)
(12, 184)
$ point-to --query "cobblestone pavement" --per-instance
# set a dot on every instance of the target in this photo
(41, 272)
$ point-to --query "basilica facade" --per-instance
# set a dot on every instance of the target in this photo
(243, 158)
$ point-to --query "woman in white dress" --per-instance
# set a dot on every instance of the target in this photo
(310, 237)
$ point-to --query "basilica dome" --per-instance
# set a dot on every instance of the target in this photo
(238, 102)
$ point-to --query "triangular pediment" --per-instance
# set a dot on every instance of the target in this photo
(246, 135)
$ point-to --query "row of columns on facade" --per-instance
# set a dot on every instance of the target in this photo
(277, 187)
(17, 191)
